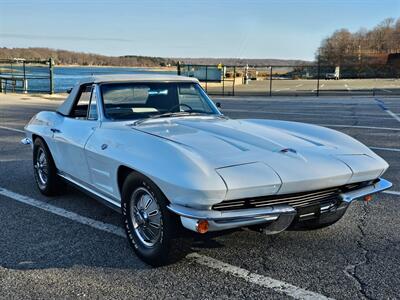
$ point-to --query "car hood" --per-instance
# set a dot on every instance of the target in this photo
(227, 139)
(292, 150)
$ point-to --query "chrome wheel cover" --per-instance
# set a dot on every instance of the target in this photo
(146, 217)
(41, 167)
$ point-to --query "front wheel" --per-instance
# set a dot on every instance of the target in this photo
(45, 170)
(147, 221)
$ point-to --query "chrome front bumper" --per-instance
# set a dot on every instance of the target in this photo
(278, 217)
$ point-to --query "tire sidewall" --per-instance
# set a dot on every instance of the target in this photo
(50, 187)
(157, 254)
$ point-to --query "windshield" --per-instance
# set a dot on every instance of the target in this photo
(125, 101)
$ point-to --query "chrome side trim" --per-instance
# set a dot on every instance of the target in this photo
(26, 141)
(271, 212)
(379, 186)
(114, 204)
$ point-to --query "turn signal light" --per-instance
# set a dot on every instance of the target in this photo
(368, 198)
(202, 226)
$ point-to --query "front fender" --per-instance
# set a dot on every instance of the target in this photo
(185, 177)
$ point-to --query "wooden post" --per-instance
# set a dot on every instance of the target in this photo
(206, 77)
(51, 76)
(234, 79)
(270, 81)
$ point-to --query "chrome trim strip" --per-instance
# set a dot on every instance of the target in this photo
(379, 186)
(231, 215)
(26, 141)
(114, 203)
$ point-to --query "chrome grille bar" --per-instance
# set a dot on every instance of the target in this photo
(324, 197)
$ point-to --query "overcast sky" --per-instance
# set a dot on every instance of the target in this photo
(176, 28)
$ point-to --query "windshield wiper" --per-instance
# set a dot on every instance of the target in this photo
(167, 115)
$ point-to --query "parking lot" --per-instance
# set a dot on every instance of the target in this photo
(310, 87)
(71, 246)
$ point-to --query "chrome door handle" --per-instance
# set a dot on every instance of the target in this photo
(55, 130)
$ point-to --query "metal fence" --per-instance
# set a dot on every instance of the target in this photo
(21, 75)
(299, 80)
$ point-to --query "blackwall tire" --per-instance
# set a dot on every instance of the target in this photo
(45, 171)
(149, 230)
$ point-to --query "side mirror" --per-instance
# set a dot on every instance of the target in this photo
(69, 91)
(218, 104)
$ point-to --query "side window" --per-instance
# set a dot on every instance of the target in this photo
(81, 107)
(92, 115)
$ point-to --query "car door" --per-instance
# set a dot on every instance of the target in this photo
(72, 134)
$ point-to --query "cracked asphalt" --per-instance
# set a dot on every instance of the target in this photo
(47, 256)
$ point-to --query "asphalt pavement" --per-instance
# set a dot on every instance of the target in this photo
(48, 251)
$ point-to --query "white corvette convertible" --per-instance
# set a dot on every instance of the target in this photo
(157, 149)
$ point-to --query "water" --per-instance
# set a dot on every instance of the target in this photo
(66, 77)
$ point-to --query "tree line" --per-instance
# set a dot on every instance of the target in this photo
(64, 57)
(362, 47)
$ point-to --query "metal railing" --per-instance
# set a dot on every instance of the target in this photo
(297, 80)
(23, 75)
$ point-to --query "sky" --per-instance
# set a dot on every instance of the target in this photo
(285, 29)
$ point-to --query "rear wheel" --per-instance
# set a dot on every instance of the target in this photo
(45, 171)
(147, 221)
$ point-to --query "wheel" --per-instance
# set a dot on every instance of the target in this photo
(148, 223)
(45, 170)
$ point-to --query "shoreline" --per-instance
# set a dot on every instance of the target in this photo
(165, 69)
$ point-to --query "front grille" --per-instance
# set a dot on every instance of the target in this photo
(297, 200)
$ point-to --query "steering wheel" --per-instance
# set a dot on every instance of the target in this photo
(179, 105)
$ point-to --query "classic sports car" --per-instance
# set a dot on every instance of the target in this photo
(157, 149)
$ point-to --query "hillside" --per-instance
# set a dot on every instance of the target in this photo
(362, 47)
(243, 61)
(64, 57)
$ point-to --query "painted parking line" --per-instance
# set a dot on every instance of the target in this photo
(276, 285)
(376, 116)
(299, 85)
(359, 126)
(392, 193)
(284, 89)
(264, 281)
(12, 129)
(347, 87)
(63, 212)
(383, 106)
(385, 149)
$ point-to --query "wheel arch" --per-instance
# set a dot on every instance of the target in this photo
(124, 171)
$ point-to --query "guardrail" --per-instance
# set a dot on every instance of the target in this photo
(16, 75)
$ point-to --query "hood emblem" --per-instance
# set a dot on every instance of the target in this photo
(285, 150)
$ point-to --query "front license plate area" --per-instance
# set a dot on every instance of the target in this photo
(308, 212)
